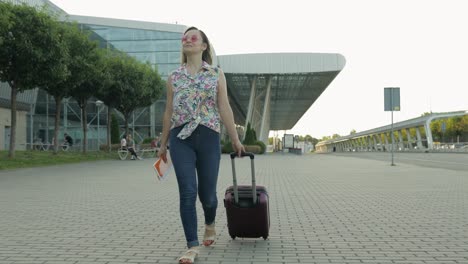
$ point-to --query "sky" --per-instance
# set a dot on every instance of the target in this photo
(419, 46)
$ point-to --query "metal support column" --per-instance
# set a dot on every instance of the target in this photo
(265, 125)
(248, 118)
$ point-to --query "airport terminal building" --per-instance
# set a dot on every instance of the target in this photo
(270, 91)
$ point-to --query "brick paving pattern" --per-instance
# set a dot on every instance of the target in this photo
(324, 209)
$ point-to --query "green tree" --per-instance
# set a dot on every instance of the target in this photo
(436, 129)
(309, 138)
(93, 79)
(112, 92)
(335, 136)
(141, 87)
(80, 62)
(5, 21)
(455, 125)
(32, 53)
(115, 130)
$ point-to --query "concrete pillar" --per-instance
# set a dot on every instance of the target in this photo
(400, 141)
(427, 128)
(265, 124)
(410, 140)
(358, 144)
(392, 140)
(379, 142)
(387, 145)
(374, 142)
(250, 109)
(418, 138)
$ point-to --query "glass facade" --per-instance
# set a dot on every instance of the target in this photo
(39, 4)
(154, 43)
(159, 48)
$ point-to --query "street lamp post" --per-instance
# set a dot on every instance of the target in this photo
(99, 103)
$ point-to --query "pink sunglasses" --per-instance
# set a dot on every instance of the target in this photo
(193, 38)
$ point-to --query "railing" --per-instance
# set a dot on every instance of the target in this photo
(451, 147)
(406, 146)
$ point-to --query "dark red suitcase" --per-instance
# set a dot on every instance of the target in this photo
(247, 212)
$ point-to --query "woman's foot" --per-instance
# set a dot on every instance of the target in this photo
(209, 237)
(189, 256)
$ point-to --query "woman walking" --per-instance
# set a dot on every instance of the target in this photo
(197, 103)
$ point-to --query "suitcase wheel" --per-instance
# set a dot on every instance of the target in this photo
(233, 237)
(265, 237)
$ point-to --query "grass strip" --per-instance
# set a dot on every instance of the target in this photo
(28, 159)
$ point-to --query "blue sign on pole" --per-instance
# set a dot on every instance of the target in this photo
(392, 99)
(392, 103)
(443, 127)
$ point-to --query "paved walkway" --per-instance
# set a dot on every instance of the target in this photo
(324, 209)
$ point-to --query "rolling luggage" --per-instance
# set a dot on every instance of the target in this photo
(247, 206)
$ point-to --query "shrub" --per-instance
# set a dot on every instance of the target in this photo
(147, 141)
(250, 136)
(115, 147)
(227, 147)
(255, 149)
(262, 146)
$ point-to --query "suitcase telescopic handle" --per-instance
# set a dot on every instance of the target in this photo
(234, 178)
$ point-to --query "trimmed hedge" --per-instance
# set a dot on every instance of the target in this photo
(115, 147)
(227, 147)
(255, 149)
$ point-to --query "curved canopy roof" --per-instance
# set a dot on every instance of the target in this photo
(297, 81)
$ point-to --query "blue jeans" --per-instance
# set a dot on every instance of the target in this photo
(197, 156)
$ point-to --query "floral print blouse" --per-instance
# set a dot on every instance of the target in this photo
(195, 99)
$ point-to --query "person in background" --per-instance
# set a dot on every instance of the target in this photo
(131, 147)
(123, 143)
(68, 140)
(197, 102)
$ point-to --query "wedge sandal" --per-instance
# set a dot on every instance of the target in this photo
(209, 236)
(189, 256)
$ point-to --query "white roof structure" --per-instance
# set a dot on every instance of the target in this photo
(273, 90)
(282, 63)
